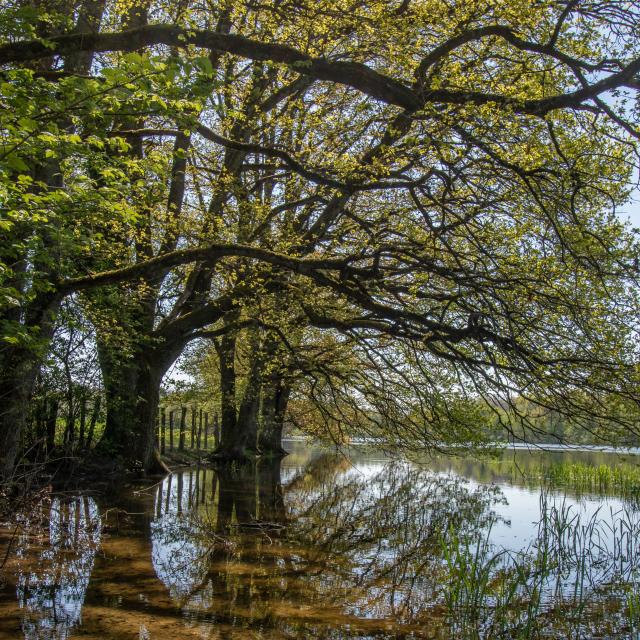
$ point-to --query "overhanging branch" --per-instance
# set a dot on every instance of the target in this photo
(353, 74)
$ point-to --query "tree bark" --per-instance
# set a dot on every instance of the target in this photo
(94, 419)
(52, 419)
(148, 399)
(83, 418)
(233, 440)
(17, 376)
(274, 406)
(132, 391)
(120, 377)
(183, 424)
(131, 420)
(250, 406)
(70, 432)
(40, 426)
(163, 429)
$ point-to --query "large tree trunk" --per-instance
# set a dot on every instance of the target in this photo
(18, 372)
(275, 398)
(120, 374)
(149, 381)
(250, 405)
(233, 438)
(132, 391)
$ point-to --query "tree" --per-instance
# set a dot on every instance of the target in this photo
(45, 227)
(445, 188)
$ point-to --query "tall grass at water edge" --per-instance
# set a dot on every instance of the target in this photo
(578, 578)
(622, 480)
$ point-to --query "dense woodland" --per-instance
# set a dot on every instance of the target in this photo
(360, 218)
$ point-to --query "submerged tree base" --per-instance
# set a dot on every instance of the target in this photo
(226, 455)
(157, 467)
(229, 455)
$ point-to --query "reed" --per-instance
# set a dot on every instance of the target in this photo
(633, 610)
(555, 587)
(623, 480)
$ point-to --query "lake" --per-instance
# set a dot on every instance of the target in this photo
(327, 544)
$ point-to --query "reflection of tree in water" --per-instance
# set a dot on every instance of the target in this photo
(383, 531)
(176, 552)
(335, 547)
(51, 587)
(204, 522)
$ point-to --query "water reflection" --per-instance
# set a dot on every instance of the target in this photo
(53, 570)
(318, 545)
(342, 549)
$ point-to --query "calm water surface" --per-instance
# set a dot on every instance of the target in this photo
(318, 545)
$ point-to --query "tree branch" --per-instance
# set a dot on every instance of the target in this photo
(209, 253)
(353, 74)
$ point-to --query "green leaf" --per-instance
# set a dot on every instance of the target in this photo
(16, 162)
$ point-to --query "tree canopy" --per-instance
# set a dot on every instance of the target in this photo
(409, 210)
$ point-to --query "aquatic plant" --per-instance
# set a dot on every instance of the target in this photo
(554, 586)
(621, 479)
(633, 609)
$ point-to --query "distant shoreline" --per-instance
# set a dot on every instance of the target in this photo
(569, 447)
(519, 446)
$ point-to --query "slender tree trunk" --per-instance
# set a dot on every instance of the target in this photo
(52, 419)
(163, 429)
(69, 432)
(94, 419)
(183, 421)
(206, 429)
(41, 427)
(83, 418)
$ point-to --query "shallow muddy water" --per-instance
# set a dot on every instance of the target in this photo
(324, 545)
